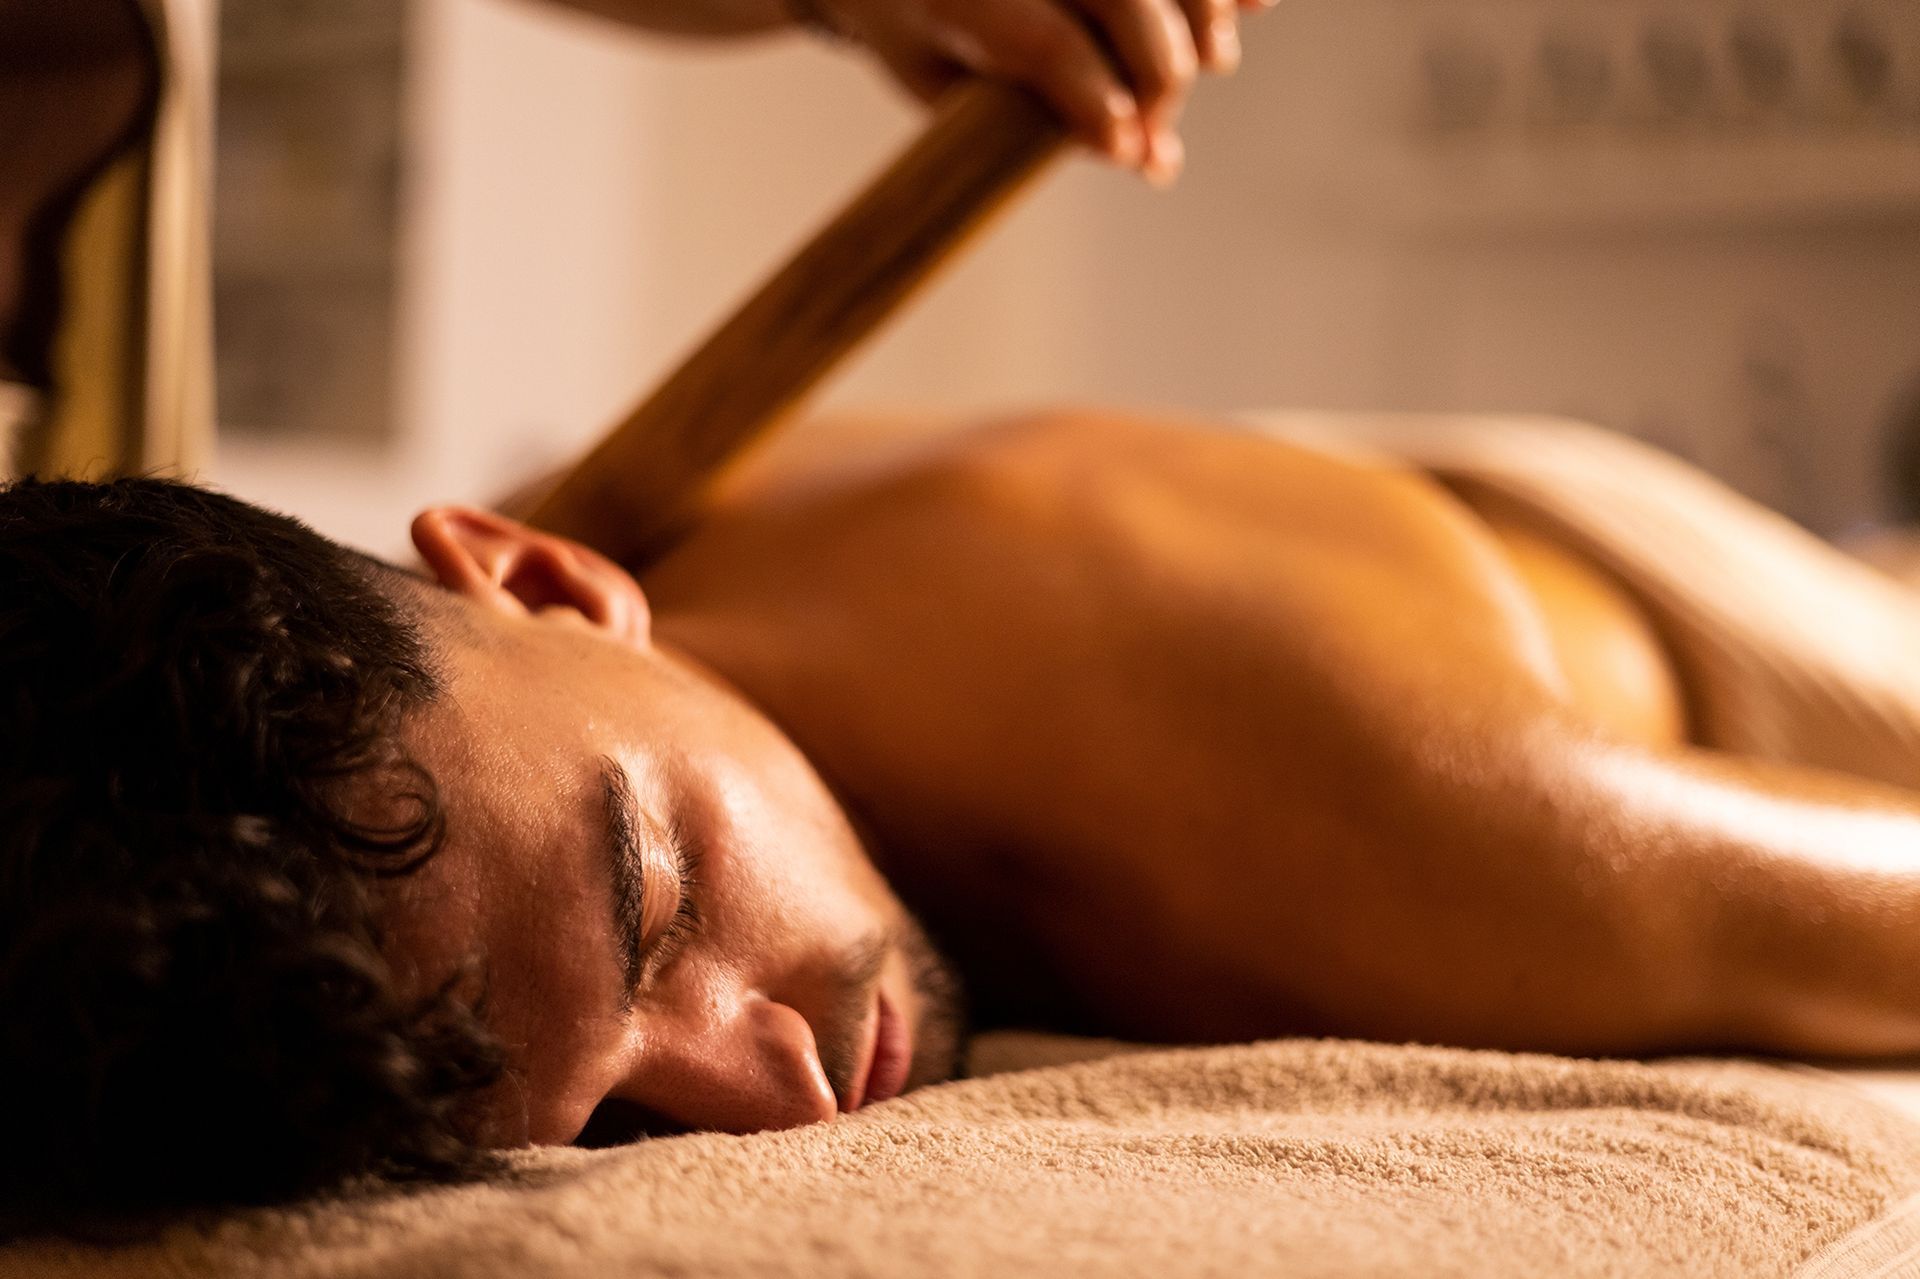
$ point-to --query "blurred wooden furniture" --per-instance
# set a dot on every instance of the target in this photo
(105, 167)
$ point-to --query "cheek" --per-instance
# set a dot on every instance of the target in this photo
(553, 962)
(540, 930)
(553, 1002)
(431, 931)
(793, 865)
(548, 925)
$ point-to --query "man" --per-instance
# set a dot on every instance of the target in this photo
(311, 867)
(222, 966)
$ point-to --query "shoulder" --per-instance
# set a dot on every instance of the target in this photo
(1107, 468)
(1096, 481)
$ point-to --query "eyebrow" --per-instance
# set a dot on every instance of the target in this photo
(626, 869)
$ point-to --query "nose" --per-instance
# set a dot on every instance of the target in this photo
(748, 1069)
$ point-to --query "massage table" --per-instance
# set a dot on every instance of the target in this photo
(1316, 1159)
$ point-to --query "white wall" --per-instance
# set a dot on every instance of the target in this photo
(586, 204)
(527, 215)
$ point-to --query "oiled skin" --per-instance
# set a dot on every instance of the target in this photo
(1189, 735)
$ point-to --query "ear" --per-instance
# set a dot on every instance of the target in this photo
(502, 564)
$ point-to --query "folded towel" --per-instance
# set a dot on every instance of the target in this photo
(1296, 1157)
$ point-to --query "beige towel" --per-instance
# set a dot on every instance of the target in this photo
(1298, 1157)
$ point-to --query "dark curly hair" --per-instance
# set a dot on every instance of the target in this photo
(193, 1006)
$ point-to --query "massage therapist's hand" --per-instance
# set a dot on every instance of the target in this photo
(1117, 70)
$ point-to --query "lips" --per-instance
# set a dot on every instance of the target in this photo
(892, 1055)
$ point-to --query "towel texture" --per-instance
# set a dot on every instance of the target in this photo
(1296, 1157)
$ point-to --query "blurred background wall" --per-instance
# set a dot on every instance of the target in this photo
(1698, 222)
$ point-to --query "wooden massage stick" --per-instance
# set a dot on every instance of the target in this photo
(642, 485)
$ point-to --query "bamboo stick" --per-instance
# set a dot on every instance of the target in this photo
(641, 486)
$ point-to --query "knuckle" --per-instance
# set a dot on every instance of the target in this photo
(1156, 84)
(1162, 77)
(1184, 38)
(1045, 45)
(1174, 60)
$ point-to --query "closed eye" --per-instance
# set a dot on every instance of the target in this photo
(636, 848)
(684, 927)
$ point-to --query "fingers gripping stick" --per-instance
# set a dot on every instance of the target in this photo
(642, 485)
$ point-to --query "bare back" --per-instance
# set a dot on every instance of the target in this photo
(1151, 695)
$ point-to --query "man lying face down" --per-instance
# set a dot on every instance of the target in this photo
(297, 842)
(311, 867)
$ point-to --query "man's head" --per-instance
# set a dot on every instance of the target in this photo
(310, 868)
(677, 926)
